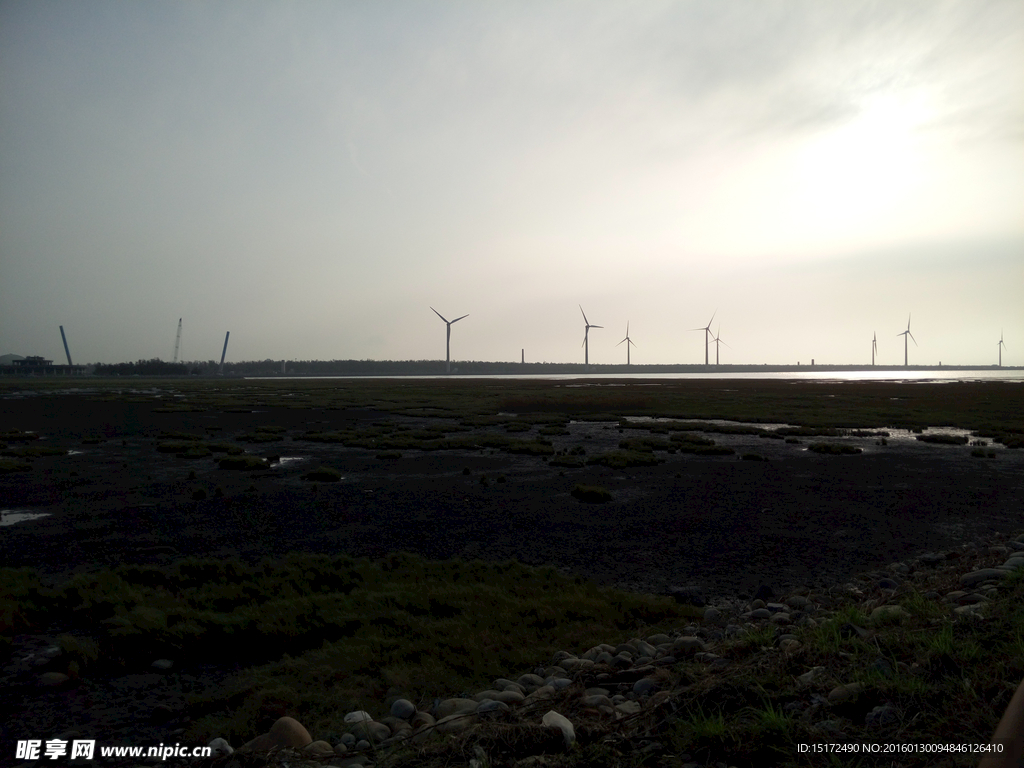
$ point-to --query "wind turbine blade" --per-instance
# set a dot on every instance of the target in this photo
(625, 339)
(439, 314)
(459, 318)
(597, 326)
(912, 338)
(587, 322)
(712, 318)
(632, 342)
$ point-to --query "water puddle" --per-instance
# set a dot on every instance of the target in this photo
(12, 516)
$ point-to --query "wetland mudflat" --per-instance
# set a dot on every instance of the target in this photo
(142, 480)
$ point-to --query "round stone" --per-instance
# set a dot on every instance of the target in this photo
(359, 716)
(318, 749)
(422, 719)
(220, 747)
(843, 693)
(645, 686)
(403, 708)
(53, 679)
(490, 705)
(285, 732)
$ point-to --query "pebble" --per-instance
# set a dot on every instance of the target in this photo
(490, 705)
(285, 732)
(220, 747)
(555, 720)
(985, 574)
(455, 723)
(645, 686)
(403, 708)
(358, 716)
(843, 693)
(450, 707)
(53, 679)
(889, 613)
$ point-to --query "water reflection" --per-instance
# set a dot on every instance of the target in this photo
(12, 516)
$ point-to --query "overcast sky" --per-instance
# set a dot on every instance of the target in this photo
(313, 177)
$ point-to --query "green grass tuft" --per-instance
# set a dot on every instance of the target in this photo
(591, 494)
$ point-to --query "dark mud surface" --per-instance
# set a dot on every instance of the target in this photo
(719, 522)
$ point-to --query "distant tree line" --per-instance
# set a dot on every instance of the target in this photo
(157, 367)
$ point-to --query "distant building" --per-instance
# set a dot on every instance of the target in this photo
(35, 365)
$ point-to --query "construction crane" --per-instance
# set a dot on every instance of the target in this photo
(177, 341)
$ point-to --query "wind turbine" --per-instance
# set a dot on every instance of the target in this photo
(717, 342)
(904, 335)
(448, 341)
(1000, 347)
(707, 333)
(874, 346)
(627, 341)
(586, 336)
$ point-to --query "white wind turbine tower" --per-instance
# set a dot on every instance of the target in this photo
(707, 334)
(586, 336)
(1000, 346)
(905, 334)
(718, 341)
(627, 341)
(448, 341)
(874, 346)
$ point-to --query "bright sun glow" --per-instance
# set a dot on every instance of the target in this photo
(861, 172)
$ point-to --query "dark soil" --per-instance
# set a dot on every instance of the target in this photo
(719, 522)
(715, 521)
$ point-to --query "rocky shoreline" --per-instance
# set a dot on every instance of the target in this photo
(627, 693)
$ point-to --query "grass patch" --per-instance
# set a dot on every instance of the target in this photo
(834, 449)
(753, 457)
(943, 439)
(330, 634)
(562, 460)
(621, 459)
(713, 450)
(243, 462)
(34, 452)
(7, 466)
(591, 494)
(323, 475)
(18, 436)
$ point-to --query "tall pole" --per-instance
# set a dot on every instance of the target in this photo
(223, 353)
(66, 352)
(177, 341)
